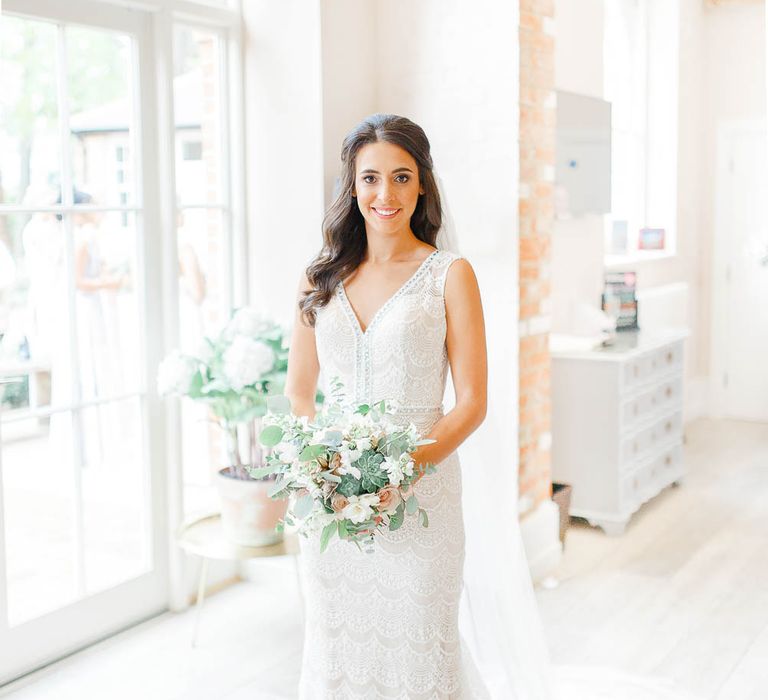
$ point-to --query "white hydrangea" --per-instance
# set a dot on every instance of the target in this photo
(174, 375)
(248, 322)
(246, 361)
(204, 352)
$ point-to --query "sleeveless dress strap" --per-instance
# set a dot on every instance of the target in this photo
(446, 259)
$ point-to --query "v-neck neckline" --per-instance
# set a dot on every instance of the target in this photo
(351, 311)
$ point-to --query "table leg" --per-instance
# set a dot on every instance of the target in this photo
(200, 597)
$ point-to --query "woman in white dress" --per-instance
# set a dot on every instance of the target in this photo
(387, 307)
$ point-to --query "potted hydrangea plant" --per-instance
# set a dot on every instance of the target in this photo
(233, 373)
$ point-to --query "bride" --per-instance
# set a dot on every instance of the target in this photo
(388, 306)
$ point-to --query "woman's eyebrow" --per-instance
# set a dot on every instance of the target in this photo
(376, 172)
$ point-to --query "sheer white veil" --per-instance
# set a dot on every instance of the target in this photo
(498, 619)
(501, 629)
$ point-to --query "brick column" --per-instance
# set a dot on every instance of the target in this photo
(536, 214)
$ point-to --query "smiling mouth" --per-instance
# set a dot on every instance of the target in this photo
(385, 213)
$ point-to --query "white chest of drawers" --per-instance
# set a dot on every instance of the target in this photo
(617, 426)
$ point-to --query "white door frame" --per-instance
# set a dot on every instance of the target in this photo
(58, 633)
(721, 261)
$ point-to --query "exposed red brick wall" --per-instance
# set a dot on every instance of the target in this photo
(536, 215)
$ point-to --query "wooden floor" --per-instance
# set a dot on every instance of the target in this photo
(683, 594)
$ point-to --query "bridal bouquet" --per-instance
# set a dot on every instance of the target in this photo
(350, 469)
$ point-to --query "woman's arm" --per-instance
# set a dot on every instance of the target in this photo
(303, 366)
(467, 355)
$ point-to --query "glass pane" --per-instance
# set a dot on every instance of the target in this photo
(204, 279)
(40, 515)
(115, 494)
(108, 322)
(203, 309)
(35, 343)
(30, 153)
(197, 108)
(101, 121)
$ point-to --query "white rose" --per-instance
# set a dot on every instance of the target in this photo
(408, 468)
(317, 437)
(359, 508)
(394, 470)
(175, 373)
(286, 452)
(363, 443)
(246, 361)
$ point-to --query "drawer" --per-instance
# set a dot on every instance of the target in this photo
(640, 445)
(637, 409)
(668, 359)
(650, 476)
(652, 366)
(669, 465)
(668, 393)
(638, 371)
(635, 485)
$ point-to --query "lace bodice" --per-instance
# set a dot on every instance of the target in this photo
(402, 353)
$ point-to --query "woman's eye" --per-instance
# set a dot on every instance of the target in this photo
(365, 178)
(405, 178)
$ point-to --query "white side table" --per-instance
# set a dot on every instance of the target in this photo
(205, 538)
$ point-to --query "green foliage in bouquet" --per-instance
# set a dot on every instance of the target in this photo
(350, 467)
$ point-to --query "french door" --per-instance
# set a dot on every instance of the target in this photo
(83, 535)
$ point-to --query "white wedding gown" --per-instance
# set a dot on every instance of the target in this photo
(407, 621)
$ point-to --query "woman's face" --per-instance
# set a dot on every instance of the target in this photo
(386, 186)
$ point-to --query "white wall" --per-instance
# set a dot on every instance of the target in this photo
(452, 68)
(284, 147)
(350, 75)
(721, 71)
(579, 46)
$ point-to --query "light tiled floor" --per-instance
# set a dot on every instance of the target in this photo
(683, 594)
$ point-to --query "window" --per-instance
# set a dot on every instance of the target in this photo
(640, 58)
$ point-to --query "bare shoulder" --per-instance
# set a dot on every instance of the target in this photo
(461, 281)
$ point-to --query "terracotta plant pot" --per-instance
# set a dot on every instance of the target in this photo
(248, 514)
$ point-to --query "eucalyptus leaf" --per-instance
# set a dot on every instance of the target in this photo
(343, 529)
(424, 517)
(330, 476)
(261, 472)
(396, 520)
(328, 531)
(303, 506)
(311, 452)
(412, 504)
(278, 486)
(271, 435)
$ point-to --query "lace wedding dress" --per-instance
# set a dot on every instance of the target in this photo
(446, 612)
(385, 624)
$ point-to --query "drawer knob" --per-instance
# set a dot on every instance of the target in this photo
(668, 392)
(669, 357)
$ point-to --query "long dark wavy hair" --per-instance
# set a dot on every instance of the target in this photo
(344, 237)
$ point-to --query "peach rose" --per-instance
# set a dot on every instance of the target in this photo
(338, 502)
(389, 499)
